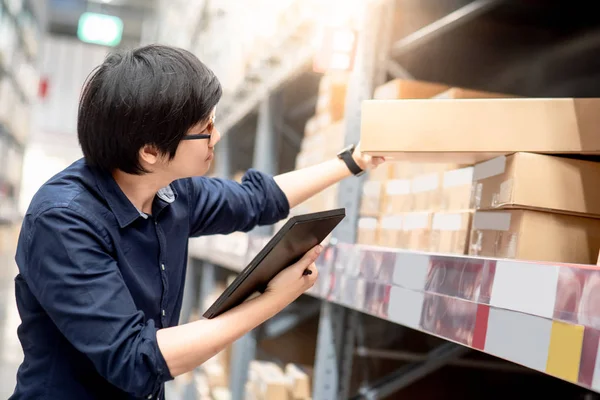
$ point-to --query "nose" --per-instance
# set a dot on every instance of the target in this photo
(215, 138)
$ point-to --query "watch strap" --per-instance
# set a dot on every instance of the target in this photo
(346, 156)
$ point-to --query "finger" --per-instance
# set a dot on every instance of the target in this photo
(309, 257)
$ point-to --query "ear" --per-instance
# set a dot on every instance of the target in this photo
(149, 155)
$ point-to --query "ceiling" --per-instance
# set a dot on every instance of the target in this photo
(63, 15)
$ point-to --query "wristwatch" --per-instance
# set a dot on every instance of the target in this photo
(346, 156)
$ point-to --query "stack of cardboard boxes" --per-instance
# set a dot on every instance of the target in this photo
(214, 381)
(537, 207)
(520, 189)
(413, 204)
(267, 381)
(324, 137)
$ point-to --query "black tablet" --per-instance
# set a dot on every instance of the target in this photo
(300, 234)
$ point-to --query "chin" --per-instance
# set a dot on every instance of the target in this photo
(203, 170)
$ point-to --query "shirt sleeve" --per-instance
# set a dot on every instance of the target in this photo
(219, 206)
(70, 271)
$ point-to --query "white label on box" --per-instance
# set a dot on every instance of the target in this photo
(414, 221)
(491, 221)
(506, 189)
(487, 169)
(372, 188)
(367, 223)
(392, 223)
(458, 177)
(425, 183)
(447, 222)
(398, 187)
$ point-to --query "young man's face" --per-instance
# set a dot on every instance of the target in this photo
(195, 153)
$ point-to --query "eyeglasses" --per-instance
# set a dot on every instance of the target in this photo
(197, 136)
(210, 127)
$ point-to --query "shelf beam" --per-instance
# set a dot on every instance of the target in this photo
(411, 373)
(398, 355)
(397, 70)
(288, 319)
(443, 25)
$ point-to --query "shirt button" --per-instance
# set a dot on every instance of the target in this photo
(163, 313)
(149, 396)
(162, 266)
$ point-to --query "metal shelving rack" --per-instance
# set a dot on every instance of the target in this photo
(8, 139)
(489, 302)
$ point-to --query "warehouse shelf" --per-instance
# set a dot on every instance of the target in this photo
(5, 72)
(522, 311)
(226, 251)
(25, 44)
(287, 60)
(539, 315)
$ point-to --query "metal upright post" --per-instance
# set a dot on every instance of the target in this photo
(223, 161)
(265, 160)
(337, 325)
(265, 148)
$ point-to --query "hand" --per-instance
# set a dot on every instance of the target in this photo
(365, 161)
(292, 282)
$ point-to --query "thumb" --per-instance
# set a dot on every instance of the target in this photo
(309, 258)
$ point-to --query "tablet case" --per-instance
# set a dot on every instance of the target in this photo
(300, 234)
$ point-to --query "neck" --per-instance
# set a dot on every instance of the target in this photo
(140, 189)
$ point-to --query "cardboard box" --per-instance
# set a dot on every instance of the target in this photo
(390, 231)
(331, 101)
(535, 181)
(468, 131)
(221, 393)
(367, 231)
(401, 169)
(426, 191)
(417, 231)
(321, 146)
(372, 196)
(535, 236)
(408, 89)
(457, 186)
(268, 381)
(298, 381)
(397, 197)
(382, 173)
(450, 232)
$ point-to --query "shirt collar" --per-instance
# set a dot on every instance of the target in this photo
(123, 209)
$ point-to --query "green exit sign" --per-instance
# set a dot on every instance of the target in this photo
(106, 30)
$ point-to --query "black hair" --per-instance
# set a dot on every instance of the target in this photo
(150, 95)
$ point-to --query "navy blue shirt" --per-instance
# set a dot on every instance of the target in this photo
(97, 278)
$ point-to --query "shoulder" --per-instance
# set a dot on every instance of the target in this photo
(70, 195)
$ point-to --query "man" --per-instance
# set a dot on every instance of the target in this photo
(103, 247)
